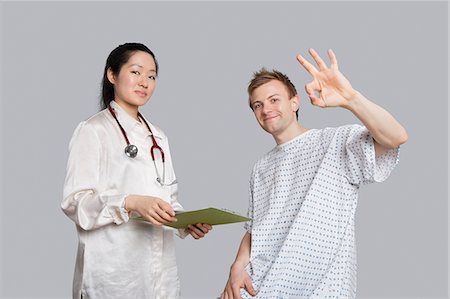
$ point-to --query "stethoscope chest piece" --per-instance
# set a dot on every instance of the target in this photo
(131, 150)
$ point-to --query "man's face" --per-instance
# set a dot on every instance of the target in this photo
(273, 107)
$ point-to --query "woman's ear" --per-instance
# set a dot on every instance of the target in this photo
(110, 76)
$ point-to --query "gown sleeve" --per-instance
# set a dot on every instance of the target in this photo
(360, 165)
(249, 224)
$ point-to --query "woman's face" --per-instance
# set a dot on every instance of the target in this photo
(135, 83)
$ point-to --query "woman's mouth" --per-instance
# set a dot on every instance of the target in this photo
(141, 93)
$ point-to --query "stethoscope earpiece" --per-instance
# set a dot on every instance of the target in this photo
(131, 150)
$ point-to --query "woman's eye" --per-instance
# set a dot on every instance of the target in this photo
(152, 77)
(135, 72)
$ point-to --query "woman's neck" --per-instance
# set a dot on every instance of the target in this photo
(131, 110)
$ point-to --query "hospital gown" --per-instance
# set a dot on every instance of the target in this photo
(303, 198)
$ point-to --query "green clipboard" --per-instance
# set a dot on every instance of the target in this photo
(213, 216)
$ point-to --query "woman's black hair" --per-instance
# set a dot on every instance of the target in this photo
(116, 59)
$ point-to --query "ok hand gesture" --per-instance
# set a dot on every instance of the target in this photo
(333, 88)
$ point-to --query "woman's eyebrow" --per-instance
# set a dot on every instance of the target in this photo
(140, 66)
(135, 64)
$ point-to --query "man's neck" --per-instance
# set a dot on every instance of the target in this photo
(290, 133)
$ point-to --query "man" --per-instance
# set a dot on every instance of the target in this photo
(303, 193)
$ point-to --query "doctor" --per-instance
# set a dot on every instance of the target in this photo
(119, 165)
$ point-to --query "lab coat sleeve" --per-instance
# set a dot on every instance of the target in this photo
(182, 233)
(84, 200)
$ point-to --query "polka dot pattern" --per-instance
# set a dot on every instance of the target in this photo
(303, 197)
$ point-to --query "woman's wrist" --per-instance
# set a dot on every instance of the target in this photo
(128, 203)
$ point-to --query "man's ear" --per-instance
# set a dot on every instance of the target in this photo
(295, 103)
(110, 76)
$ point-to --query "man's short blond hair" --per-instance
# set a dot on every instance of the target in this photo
(264, 76)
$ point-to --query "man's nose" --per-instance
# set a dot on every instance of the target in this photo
(266, 109)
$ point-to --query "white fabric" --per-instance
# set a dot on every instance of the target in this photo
(303, 197)
(118, 258)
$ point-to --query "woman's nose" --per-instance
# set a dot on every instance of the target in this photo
(143, 81)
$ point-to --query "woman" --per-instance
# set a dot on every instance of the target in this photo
(105, 185)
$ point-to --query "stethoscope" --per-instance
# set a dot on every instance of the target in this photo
(131, 150)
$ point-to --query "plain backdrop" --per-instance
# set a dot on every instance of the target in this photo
(52, 58)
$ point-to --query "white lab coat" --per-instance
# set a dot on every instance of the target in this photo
(118, 257)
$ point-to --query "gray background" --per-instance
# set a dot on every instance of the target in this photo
(52, 56)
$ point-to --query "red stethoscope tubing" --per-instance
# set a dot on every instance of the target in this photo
(155, 145)
(131, 150)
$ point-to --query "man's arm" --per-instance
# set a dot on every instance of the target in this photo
(238, 276)
(336, 91)
(385, 130)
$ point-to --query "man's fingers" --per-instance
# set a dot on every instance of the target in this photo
(317, 59)
(316, 101)
(236, 291)
(310, 88)
(313, 90)
(308, 66)
(228, 292)
(249, 287)
(333, 59)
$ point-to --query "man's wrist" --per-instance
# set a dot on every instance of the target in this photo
(352, 100)
(238, 265)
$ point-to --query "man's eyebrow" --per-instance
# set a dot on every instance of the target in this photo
(259, 101)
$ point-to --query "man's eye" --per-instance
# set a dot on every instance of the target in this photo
(273, 100)
(256, 106)
(152, 77)
(135, 72)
